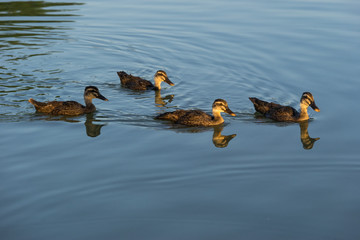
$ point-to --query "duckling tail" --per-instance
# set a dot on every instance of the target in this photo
(32, 101)
(124, 77)
(262, 106)
(122, 74)
(252, 99)
(36, 103)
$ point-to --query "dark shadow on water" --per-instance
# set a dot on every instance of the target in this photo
(307, 141)
(43, 116)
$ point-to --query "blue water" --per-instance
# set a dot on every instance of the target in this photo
(121, 174)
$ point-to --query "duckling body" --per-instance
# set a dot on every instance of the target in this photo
(281, 113)
(198, 117)
(70, 108)
(137, 83)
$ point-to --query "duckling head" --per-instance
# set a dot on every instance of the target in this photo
(307, 100)
(220, 105)
(161, 76)
(93, 92)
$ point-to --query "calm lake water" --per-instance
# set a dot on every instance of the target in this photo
(120, 174)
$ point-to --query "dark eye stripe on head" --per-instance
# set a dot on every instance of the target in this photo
(162, 73)
(306, 100)
(307, 97)
(220, 102)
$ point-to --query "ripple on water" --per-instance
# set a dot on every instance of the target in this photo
(119, 165)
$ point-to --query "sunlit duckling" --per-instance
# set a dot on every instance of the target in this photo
(198, 117)
(281, 113)
(137, 83)
(71, 108)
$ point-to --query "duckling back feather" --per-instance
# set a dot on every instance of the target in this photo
(283, 114)
(263, 106)
(172, 116)
(60, 107)
(134, 82)
(196, 118)
(188, 117)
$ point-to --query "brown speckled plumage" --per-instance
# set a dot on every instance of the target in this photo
(281, 113)
(137, 83)
(70, 108)
(198, 117)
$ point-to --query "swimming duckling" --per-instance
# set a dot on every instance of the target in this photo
(198, 117)
(71, 108)
(281, 113)
(137, 83)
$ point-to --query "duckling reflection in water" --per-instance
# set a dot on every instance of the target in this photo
(198, 117)
(137, 83)
(281, 113)
(162, 101)
(70, 108)
(306, 140)
(219, 140)
(92, 130)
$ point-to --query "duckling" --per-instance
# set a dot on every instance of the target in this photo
(71, 108)
(198, 117)
(137, 83)
(281, 113)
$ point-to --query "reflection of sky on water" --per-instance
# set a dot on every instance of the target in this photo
(34, 8)
(134, 172)
(28, 30)
(42, 21)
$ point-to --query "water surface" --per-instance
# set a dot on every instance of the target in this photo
(118, 173)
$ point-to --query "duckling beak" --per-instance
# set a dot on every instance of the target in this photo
(102, 97)
(167, 80)
(230, 112)
(313, 106)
